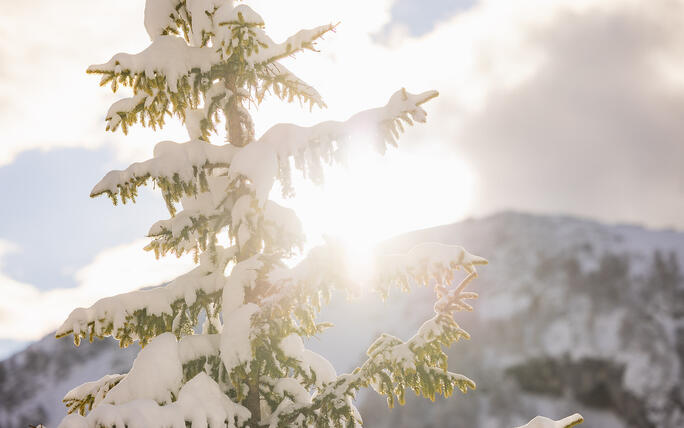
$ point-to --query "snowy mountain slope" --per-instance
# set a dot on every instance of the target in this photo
(34, 381)
(573, 316)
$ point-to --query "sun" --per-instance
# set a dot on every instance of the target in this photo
(376, 197)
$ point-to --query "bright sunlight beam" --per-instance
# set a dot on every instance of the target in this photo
(376, 197)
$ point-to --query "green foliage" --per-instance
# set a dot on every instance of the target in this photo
(143, 326)
(245, 70)
(172, 188)
(84, 404)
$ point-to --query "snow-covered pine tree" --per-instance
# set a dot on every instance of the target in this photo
(246, 365)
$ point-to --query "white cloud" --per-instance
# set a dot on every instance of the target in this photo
(533, 96)
(557, 106)
(569, 106)
(28, 313)
(46, 98)
(595, 131)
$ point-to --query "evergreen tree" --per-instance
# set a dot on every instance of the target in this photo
(246, 364)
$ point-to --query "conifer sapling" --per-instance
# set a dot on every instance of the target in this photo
(246, 364)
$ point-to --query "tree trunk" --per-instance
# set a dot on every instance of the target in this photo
(235, 132)
(253, 400)
(236, 136)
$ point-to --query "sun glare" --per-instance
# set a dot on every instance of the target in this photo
(377, 197)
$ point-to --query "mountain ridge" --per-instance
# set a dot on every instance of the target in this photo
(574, 315)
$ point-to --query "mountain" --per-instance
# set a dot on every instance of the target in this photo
(573, 316)
(33, 382)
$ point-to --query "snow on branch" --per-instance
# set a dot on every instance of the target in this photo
(235, 345)
(140, 315)
(420, 363)
(188, 231)
(201, 121)
(200, 404)
(317, 370)
(157, 375)
(283, 231)
(325, 269)
(542, 422)
(201, 21)
(239, 29)
(276, 228)
(287, 86)
(427, 263)
(303, 39)
(269, 157)
(177, 168)
(84, 398)
(194, 228)
(299, 292)
(127, 111)
(164, 64)
(161, 17)
(237, 15)
(392, 367)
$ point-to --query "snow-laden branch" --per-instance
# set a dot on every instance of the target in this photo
(158, 374)
(200, 121)
(139, 315)
(423, 264)
(271, 51)
(235, 344)
(315, 366)
(325, 268)
(542, 422)
(275, 227)
(297, 294)
(188, 231)
(287, 86)
(200, 404)
(194, 228)
(161, 17)
(150, 108)
(201, 19)
(129, 110)
(84, 398)
(177, 168)
(240, 15)
(168, 57)
(197, 19)
(392, 367)
(269, 157)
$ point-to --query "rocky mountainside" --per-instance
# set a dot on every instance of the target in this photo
(573, 316)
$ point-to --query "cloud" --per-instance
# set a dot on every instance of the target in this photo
(46, 98)
(569, 107)
(596, 130)
(557, 106)
(27, 313)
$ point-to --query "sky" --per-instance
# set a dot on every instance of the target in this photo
(546, 106)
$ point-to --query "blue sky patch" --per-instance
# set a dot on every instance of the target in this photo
(56, 227)
(422, 16)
